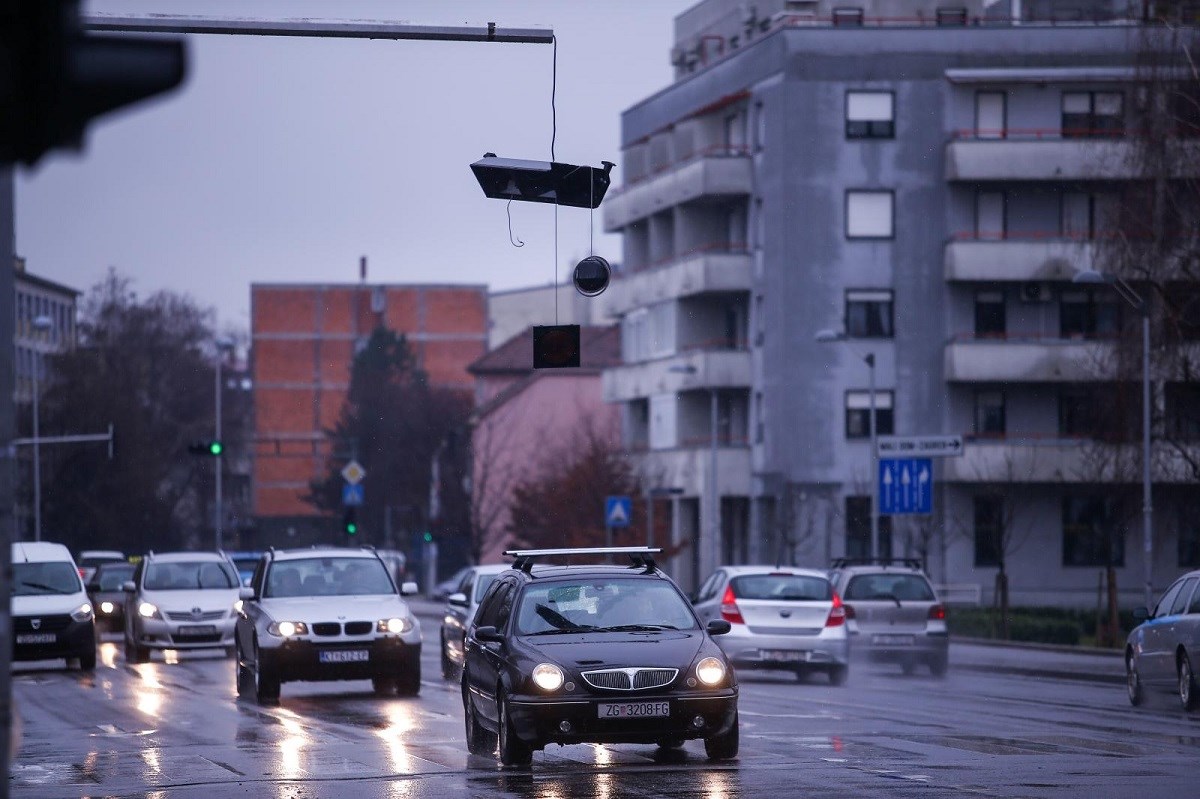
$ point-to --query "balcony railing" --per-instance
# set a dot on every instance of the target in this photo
(715, 151)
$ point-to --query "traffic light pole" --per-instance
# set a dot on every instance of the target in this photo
(218, 460)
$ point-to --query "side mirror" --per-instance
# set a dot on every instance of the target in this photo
(408, 589)
(1140, 614)
(128, 586)
(489, 634)
(459, 600)
(718, 627)
(246, 592)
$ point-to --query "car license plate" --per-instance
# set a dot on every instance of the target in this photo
(196, 629)
(345, 656)
(783, 655)
(634, 710)
(892, 640)
(36, 638)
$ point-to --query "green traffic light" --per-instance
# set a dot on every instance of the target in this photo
(428, 537)
(216, 448)
(351, 528)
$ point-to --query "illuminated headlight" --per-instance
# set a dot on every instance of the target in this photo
(237, 607)
(107, 607)
(548, 677)
(395, 625)
(82, 613)
(287, 629)
(148, 611)
(710, 671)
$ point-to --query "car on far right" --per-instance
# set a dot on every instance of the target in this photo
(893, 613)
(1160, 653)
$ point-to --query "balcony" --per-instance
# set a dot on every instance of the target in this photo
(688, 468)
(1059, 460)
(714, 368)
(712, 268)
(717, 172)
(1028, 360)
(1036, 155)
(1028, 259)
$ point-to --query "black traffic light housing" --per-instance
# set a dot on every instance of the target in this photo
(542, 181)
(350, 521)
(555, 346)
(211, 447)
(54, 78)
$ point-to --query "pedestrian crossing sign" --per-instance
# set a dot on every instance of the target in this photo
(617, 511)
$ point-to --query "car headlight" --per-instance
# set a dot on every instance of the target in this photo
(148, 611)
(710, 671)
(287, 629)
(82, 613)
(107, 608)
(237, 607)
(548, 677)
(395, 625)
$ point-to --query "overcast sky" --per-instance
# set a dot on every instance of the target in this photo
(286, 159)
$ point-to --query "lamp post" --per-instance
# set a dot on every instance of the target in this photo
(828, 336)
(41, 324)
(714, 502)
(1127, 293)
(224, 345)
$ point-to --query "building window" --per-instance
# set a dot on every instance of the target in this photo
(869, 214)
(858, 413)
(1087, 114)
(991, 216)
(870, 115)
(1189, 536)
(990, 318)
(991, 115)
(663, 433)
(989, 413)
(858, 529)
(869, 313)
(989, 530)
(1088, 314)
(1091, 536)
(848, 16)
(1183, 411)
(1077, 413)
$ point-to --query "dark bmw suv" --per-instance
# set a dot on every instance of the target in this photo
(594, 654)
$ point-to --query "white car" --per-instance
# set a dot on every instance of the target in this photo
(461, 605)
(181, 601)
(51, 614)
(326, 614)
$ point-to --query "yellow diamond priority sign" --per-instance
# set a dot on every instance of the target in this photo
(353, 473)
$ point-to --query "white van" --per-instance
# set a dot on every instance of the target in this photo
(51, 614)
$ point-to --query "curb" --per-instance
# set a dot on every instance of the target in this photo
(1049, 674)
(1063, 648)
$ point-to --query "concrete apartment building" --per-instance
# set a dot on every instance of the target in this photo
(303, 343)
(926, 181)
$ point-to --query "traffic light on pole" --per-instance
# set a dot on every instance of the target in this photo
(213, 448)
(350, 521)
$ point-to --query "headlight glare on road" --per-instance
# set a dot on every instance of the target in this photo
(107, 607)
(548, 677)
(287, 629)
(394, 625)
(148, 611)
(82, 613)
(710, 671)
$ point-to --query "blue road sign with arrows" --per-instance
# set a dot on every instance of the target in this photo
(352, 494)
(617, 511)
(905, 486)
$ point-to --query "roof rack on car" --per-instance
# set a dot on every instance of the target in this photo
(641, 556)
(908, 563)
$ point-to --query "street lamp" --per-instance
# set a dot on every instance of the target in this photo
(828, 336)
(1127, 293)
(224, 345)
(41, 324)
(714, 502)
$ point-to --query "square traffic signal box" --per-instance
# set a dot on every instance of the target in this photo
(555, 346)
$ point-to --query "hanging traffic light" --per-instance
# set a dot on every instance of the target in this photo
(209, 447)
(350, 521)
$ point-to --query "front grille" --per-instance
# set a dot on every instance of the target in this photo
(187, 615)
(634, 679)
(359, 627)
(24, 624)
(326, 628)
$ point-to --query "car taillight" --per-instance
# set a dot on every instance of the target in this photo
(937, 613)
(849, 611)
(837, 614)
(729, 608)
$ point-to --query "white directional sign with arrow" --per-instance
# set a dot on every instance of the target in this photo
(920, 446)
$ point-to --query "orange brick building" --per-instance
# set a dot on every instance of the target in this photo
(303, 342)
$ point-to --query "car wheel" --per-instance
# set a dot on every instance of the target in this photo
(670, 743)
(87, 660)
(939, 665)
(513, 751)
(1133, 682)
(801, 673)
(479, 741)
(1187, 684)
(838, 674)
(408, 682)
(244, 677)
(135, 653)
(266, 683)
(383, 686)
(907, 666)
(725, 745)
(231, 651)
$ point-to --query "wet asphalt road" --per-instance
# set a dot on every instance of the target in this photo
(174, 728)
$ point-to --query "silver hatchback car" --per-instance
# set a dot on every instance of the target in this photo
(461, 605)
(1162, 651)
(783, 619)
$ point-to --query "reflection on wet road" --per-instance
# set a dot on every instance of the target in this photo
(173, 728)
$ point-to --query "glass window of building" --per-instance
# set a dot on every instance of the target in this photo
(869, 214)
(990, 315)
(1089, 114)
(1092, 535)
(989, 530)
(870, 115)
(1088, 314)
(989, 414)
(869, 313)
(858, 529)
(1077, 413)
(858, 413)
(991, 115)
(991, 216)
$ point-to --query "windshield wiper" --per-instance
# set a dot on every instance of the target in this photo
(43, 587)
(635, 627)
(586, 628)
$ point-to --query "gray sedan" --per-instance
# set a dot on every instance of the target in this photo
(461, 605)
(1162, 651)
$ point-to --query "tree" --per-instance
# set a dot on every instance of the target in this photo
(146, 368)
(397, 426)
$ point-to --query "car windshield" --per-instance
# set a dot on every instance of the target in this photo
(96, 560)
(889, 586)
(58, 577)
(111, 578)
(328, 577)
(782, 587)
(189, 575)
(590, 605)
